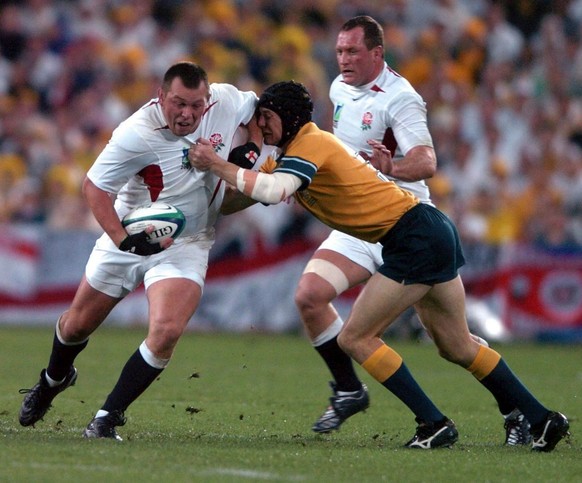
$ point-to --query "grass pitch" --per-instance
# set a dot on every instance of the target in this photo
(239, 407)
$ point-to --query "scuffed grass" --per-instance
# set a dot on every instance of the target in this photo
(239, 407)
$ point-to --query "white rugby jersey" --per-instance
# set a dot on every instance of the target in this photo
(387, 109)
(145, 162)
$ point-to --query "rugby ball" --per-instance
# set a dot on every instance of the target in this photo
(167, 220)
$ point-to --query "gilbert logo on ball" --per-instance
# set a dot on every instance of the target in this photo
(167, 220)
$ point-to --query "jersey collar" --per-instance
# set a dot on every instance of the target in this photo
(359, 91)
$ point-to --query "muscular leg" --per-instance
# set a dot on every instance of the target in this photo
(328, 274)
(382, 300)
(172, 302)
(443, 312)
(318, 286)
(88, 310)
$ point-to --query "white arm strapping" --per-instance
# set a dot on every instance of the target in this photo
(269, 188)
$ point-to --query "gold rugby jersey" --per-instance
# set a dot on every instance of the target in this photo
(339, 187)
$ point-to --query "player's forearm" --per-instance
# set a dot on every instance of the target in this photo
(270, 188)
(101, 206)
(418, 164)
(235, 201)
(244, 179)
(223, 169)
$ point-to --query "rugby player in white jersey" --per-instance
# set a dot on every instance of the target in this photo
(370, 101)
(146, 161)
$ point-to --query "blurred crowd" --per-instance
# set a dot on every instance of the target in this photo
(502, 81)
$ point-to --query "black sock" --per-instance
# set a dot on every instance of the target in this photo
(405, 388)
(62, 358)
(505, 408)
(340, 366)
(510, 393)
(135, 378)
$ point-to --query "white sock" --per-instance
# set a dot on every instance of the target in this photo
(332, 331)
(151, 358)
(51, 382)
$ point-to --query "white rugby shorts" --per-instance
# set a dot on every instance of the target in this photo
(118, 273)
(365, 254)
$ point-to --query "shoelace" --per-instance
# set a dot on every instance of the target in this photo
(33, 391)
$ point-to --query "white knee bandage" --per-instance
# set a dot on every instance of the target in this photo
(332, 331)
(330, 273)
(150, 358)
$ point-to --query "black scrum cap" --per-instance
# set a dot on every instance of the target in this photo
(291, 101)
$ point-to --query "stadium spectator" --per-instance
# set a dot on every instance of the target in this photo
(71, 49)
(546, 77)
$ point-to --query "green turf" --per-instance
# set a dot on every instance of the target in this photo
(239, 407)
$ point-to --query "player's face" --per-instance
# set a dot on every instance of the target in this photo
(271, 126)
(357, 64)
(183, 107)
